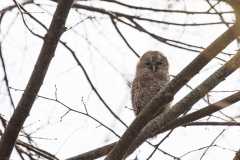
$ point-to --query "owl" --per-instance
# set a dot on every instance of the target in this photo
(151, 76)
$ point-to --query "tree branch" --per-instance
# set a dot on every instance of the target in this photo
(163, 10)
(38, 151)
(212, 144)
(6, 77)
(57, 27)
(121, 35)
(103, 11)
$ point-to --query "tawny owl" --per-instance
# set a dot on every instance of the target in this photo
(151, 76)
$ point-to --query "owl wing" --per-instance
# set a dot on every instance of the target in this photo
(135, 96)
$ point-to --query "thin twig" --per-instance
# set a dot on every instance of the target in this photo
(212, 143)
(157, 145)
(18, 6)
(119, 32)
(78, 23)
(70, 109)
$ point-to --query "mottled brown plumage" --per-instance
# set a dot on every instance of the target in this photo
(151, 76)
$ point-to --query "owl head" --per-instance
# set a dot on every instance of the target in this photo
(153, 61)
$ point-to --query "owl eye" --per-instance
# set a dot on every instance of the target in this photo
(147, 63)
(159, 63)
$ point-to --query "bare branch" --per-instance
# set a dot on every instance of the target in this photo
(22, 111)
(159, 144)
(18, 6)
(212, 143)
(6, 77)
(129, 46)
(163, 10)
(103, 11)
(220, 15)
(86, 114)
(38, 151)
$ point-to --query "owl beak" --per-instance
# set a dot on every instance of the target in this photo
(154, 68)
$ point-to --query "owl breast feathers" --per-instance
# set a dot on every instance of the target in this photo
(151, 76)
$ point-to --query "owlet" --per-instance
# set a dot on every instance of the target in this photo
(151, 76)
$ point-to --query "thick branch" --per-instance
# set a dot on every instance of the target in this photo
(51, 39)
(166, 94)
